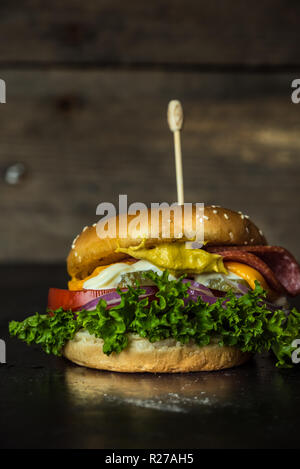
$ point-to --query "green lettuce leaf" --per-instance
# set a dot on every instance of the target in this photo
(51, 332)
(244, 322)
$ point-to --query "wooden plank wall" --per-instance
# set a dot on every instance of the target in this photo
(88, 85)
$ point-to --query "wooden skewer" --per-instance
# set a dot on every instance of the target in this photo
(175, 121)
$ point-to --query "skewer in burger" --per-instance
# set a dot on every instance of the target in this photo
(152, 305)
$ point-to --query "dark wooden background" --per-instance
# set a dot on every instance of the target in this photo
(88, 85)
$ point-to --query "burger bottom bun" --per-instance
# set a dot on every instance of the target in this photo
(165, 356)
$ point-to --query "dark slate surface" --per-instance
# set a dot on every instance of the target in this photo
(46, 402)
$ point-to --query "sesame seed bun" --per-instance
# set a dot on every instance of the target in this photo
(221, 227)
(140, 356)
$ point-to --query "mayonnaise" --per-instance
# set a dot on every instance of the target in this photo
(205, 278)
(111, 276)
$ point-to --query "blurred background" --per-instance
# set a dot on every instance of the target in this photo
(88, 84)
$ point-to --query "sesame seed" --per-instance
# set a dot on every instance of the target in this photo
(213, 206)
(261, 233)
(94, 224)
(226, 216)
(246, 216)
(246, 242)
(76, 253)
(215, 211)
(251, 240)
(205, 217)
(231, 234)
(242, 216)
(247, 229)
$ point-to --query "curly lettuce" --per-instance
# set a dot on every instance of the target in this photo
(245, 322)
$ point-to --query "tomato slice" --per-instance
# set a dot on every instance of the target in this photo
(72, 300)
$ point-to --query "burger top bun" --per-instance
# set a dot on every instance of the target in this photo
(221, 227)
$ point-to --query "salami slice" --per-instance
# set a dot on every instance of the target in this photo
(276, 264)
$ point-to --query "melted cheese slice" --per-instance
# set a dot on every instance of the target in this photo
(249, 274)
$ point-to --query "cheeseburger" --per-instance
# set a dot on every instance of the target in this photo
(161, 304)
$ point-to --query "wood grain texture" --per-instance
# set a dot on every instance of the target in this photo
(85, 138)
(161, 32)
